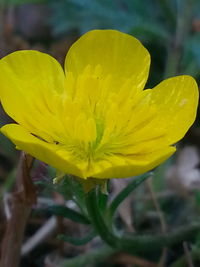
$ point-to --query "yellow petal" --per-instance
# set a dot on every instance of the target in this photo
(122, 167)
(51, 154)
(30, 82)
(109, 52)
(177, 100)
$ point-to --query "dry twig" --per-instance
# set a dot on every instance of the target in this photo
(187, 255)
(22, 200)
(161, 218)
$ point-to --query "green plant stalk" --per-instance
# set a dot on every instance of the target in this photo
(90, 258)
(155, 242)
(135, 244)
(97, 219)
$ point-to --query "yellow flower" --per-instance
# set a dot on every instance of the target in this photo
(95, 120)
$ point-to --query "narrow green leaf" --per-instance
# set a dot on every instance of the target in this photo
(103, 199)
(68, 213)
(125, 192)
(78, 241)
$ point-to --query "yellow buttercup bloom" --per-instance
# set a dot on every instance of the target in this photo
(95, 120)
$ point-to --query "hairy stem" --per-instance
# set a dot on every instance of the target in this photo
(91, 257)
(97, 219)
(134, 243)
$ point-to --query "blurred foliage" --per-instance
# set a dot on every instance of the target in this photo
(129, 16)
(154, 22)
(20, 2)
(157, 23)
(191, 55)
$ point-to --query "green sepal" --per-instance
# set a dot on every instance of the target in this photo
(91, 183)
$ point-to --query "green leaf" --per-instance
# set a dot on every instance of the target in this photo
(68, 213)
(125, 192)
(103, 199)
(197, 200)
(78, 241)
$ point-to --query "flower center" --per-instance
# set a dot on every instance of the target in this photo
(96, 117)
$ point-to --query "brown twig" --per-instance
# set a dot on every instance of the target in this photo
(157, 206)
(21, 202)
(187, 254)
(161, 218)
(183, 261)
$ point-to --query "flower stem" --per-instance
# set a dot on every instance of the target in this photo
(92, 257)
(132, 243)
(97, 219)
